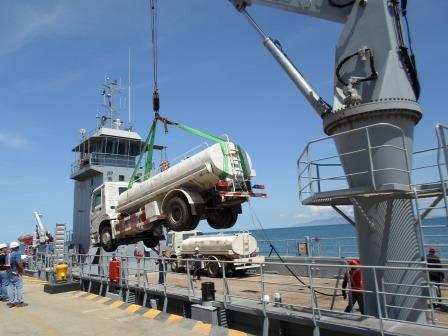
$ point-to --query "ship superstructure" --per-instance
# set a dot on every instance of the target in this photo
(107, 154)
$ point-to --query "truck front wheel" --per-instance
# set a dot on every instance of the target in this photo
(222, 219)
(174, 265)
(178, 216)
(151, 242)
(106, 240)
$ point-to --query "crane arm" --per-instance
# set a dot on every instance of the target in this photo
(332, 10)
(40, 227)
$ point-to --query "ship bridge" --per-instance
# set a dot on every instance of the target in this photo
(106, 147)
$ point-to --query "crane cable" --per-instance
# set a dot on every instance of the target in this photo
(271, 245)
(148, 146)
(154, 40)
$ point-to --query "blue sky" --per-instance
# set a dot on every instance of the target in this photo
(214, 75)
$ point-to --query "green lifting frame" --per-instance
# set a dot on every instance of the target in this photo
(148, 148)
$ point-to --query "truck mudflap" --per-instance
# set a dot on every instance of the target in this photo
(134, 223)
(246, 263)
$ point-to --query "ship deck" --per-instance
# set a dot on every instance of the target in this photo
(79, 313)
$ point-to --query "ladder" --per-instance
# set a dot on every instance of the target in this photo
(236, 166)
(59, 243)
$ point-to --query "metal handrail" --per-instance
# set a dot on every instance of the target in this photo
(82, 269)
(307, 162)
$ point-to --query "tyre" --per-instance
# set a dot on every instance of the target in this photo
(178, 216)
(174, 266)
(194, 223)
(106, 240)
(222, 219)
(241, 272)
(213, 269)
(151, 242)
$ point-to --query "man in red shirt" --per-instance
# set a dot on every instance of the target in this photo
(355, 294)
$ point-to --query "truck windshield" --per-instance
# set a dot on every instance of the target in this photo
(169, 239)
(96, 199)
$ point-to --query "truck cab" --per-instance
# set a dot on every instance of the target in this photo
(110, 228)
(102, 209)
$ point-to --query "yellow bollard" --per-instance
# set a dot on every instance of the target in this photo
(61, 272)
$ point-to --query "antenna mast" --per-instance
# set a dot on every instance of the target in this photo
(108, 93)
(129, 89)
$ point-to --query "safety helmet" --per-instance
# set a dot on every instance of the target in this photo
(432, 249)
(14, 245)
(354, 262)
(3, 245)
(196, 249)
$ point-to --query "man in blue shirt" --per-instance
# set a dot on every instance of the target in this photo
(15, 289)
(4, 282)
(163, 264)
(197, 264)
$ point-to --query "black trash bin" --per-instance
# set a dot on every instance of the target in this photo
(208, 291)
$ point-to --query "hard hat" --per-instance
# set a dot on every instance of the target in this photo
(432, 249)
(196, 249)
(14, 244)
(354, 262)
(3, 245)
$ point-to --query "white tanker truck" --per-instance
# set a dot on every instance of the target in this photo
(209, 185)
(241, 249)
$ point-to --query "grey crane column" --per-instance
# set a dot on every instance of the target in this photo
(385, 223)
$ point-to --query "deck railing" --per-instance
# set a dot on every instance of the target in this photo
(300, 293)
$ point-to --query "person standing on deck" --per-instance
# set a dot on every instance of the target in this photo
(161, 261)
(4, 282)
(435, 276)
(197, 264)
(15, 271)
(355, 294)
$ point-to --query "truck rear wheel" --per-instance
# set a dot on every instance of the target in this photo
(213, 269)
(178, 216)
(222, 219)
(106, 240)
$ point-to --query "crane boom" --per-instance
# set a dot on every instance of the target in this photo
(332, 10)
(40, 227)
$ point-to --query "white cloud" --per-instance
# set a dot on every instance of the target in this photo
(315, 213)
(22, 24)
(11, 140)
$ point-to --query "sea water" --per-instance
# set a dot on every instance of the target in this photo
(337, 240)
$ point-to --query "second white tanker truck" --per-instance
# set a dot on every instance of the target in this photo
(240, 251)
(211, 185)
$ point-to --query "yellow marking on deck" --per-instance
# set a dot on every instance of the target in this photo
(174, 318)
(91, 296)
(202, 328)
(132, 308)
(152, 313)
(236, 333)
(104, 300)
(117, 304)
